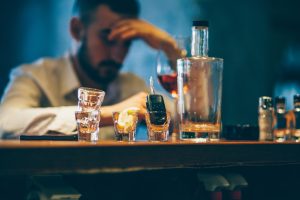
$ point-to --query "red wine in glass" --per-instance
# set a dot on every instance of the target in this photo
(169, 83)
(166, 65)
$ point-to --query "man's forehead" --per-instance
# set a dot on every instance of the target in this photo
(105, 17)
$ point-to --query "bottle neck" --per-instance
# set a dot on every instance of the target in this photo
(200, 41)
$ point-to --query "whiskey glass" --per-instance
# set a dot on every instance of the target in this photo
(88, 124)
(157, 132)
(90, 99)
(125, 131)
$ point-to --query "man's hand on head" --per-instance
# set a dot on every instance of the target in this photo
(130, 29)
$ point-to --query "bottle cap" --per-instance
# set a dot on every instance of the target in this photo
(201, 23)
(280, 100)
(297, 98)
(265, 102)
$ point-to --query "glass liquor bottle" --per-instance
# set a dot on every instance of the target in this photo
(265, 118)
(281, 125)
(199, 89)
(296, 119)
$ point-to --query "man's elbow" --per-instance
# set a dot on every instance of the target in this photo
(7, 118)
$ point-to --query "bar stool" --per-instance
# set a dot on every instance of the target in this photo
(214, 184)
(237, 183)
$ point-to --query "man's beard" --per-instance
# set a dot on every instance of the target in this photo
(105, 72)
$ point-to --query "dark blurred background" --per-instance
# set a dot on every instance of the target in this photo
(258, 39)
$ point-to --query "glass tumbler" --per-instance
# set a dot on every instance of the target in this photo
(158, 132)
(88, 124)
(90, 99)
(125, 129)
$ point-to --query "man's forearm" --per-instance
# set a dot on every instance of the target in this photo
(18, 120)
(106, 116)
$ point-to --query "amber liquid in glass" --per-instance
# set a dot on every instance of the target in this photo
(201, 131)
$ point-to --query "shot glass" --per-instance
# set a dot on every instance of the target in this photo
(159, 133)
(90, 99)
(125, 130)
(88, 124)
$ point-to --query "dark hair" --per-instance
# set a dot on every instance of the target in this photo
(85, 8)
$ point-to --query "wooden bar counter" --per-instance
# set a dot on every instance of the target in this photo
(50, 157)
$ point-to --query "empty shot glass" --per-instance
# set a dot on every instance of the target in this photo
(90, 98)
(158, 132)
(88, 124)
(125, 125)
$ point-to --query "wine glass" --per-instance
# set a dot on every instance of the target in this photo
(167, 74)
(166, 65)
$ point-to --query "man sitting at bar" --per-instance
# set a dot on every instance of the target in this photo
(42, 96)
